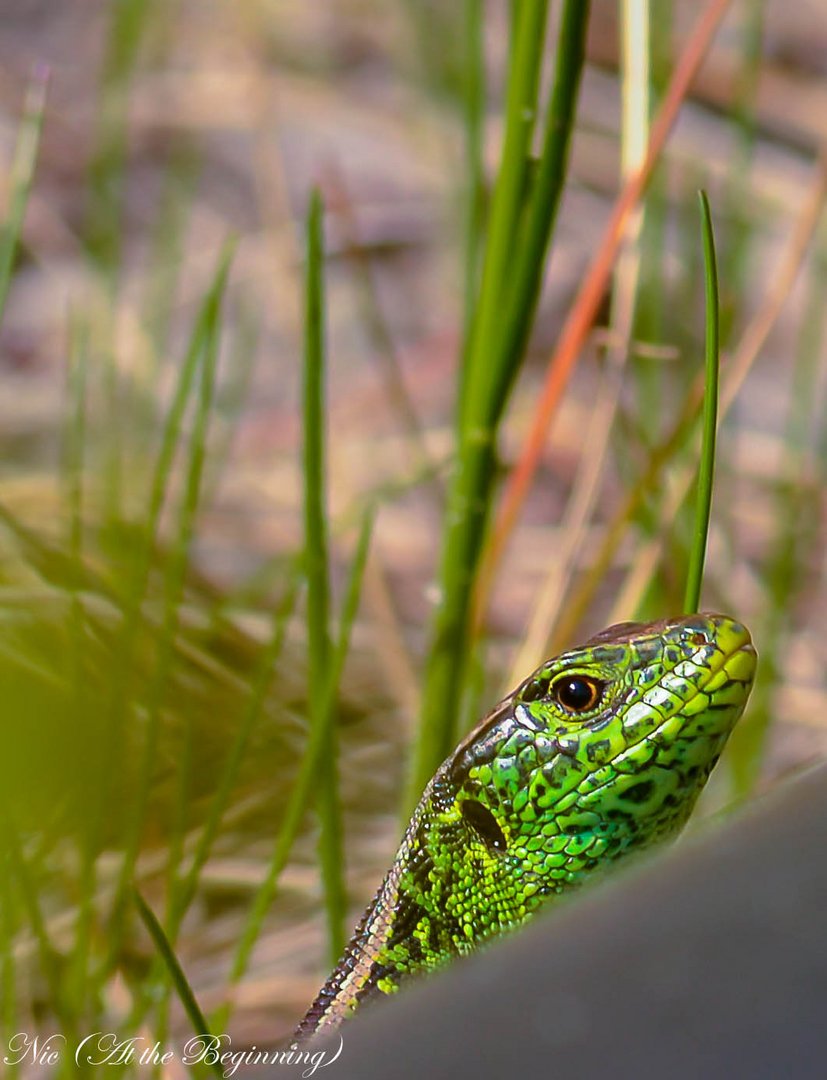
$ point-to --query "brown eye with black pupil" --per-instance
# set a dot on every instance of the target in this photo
(577, 693)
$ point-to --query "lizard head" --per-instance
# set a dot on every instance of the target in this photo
(602, 750)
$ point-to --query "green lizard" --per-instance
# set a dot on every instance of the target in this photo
(600, 752)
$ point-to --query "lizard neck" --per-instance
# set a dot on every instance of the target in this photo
(366, 968)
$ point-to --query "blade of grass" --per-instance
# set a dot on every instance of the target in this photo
(175, 582)
(316, 567)
(128, 21)
(749, 346)
(706, 469)
(513, 265)
(22, 176)
(186, 889)
(586, 487)
(308, 770)
(473, 103)
(590, 295)
(203, 329)
(48, 954)
(377, 329)
(537, 220)
(176, 200)
(179, 980)
(174, 585)
(72, 469)
(506, 206)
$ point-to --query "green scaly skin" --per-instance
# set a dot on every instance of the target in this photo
(550, 788)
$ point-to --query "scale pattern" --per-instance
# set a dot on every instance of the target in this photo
(602, 751)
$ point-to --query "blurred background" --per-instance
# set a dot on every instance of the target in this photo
(152, 642)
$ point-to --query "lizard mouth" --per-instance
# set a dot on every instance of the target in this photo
(734, 656)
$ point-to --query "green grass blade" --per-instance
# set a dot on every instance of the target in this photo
(331, 851)
(507, 204)
(129, 20)
(174, 585)
(706, 471)
(121, 680)
(491, 361)
(72, 468)
(187, 888)
(179, 562)
(308, 771)
(473, 101)
(537, 224)
(48, 954)
(336, 904)
(22, 175)
(315, 527)
(179, 980)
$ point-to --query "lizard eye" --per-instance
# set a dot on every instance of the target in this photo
(577, 693)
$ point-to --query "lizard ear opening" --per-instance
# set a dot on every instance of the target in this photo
(483, 822)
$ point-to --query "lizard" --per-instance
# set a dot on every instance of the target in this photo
(600, 752)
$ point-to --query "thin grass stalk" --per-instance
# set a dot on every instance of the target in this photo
(179, 186)
(232, 396)
(174, 585)
(72, 468)
(188, 885)
(128, 21)
(307, 775)
(585, 306)
(537, 220)
(506, 209)
(179, 980)
(378, 332)
(175, 582)
(751, 342)
(121, 680)
(651, 315)
(22, 176)
(491, 359)
(18, 870)
(706, 471)
(316, 567)
(586, 486)
(473, 112)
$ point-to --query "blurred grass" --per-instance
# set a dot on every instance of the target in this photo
(517, 236)
(193, 700)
